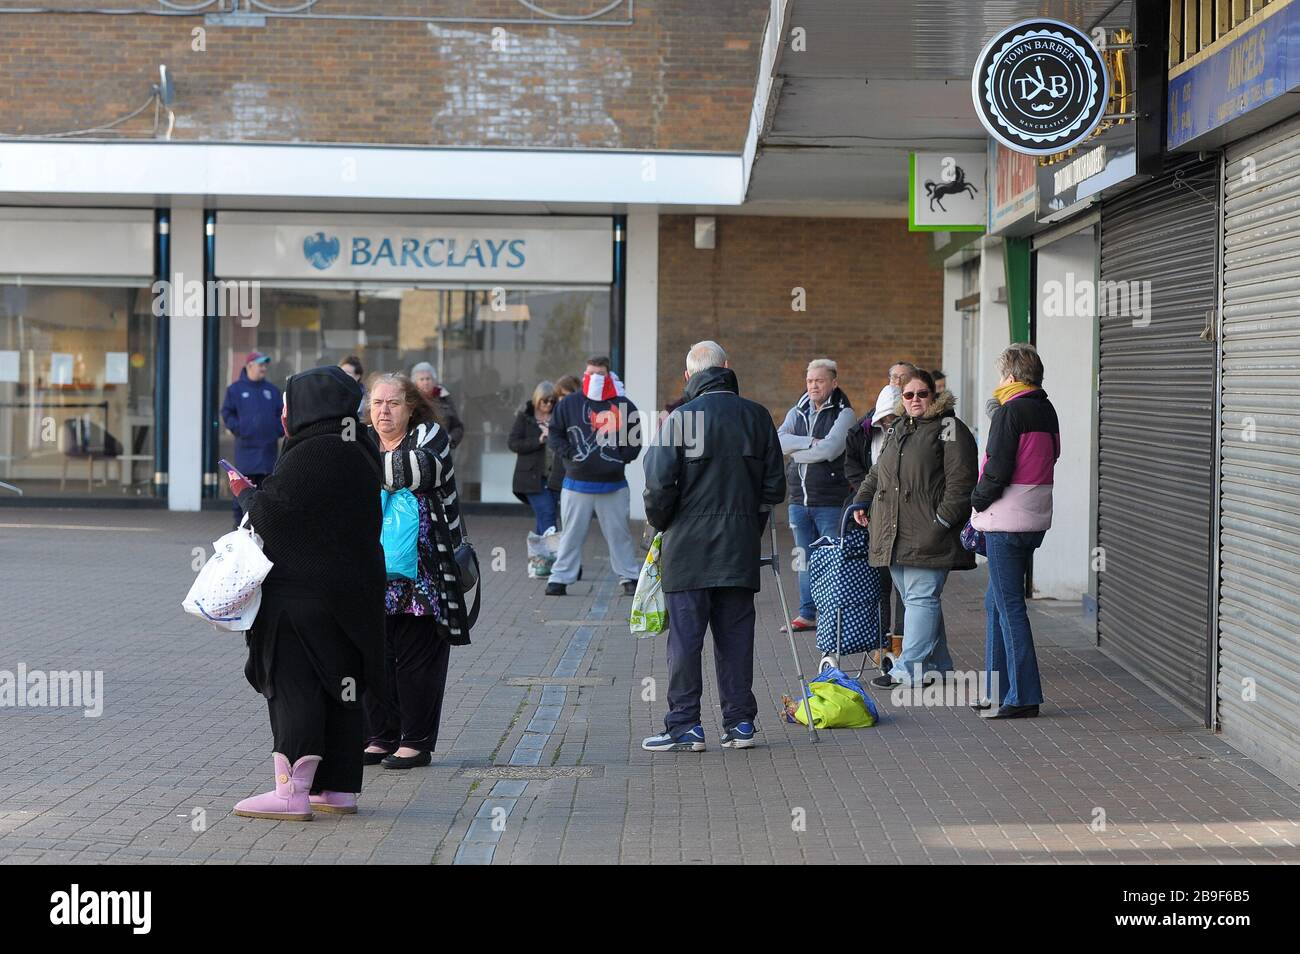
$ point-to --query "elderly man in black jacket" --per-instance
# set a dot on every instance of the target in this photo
(714, 468)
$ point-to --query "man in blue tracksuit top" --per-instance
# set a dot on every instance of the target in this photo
(251, 411)
(593, 432)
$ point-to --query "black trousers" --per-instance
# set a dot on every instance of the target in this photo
(729, 613)
(409, 710)
(308, 720)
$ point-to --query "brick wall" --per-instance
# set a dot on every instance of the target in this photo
(873, 298)
(680, 77)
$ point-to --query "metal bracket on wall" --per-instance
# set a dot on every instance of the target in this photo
(961, 239)
(1181, 183)
(1210, 331)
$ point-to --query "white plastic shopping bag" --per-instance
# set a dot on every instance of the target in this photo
(228, 590)
(542, 550)
(649, 609)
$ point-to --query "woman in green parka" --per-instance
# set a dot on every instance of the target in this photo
(918, 492)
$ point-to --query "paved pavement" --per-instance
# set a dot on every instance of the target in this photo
(539, 758)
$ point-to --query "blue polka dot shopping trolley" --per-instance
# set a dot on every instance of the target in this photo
(847, 591)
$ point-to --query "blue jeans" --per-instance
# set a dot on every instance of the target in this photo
(545, 506)
(1009, 642)
(925, 641)
(809, 524)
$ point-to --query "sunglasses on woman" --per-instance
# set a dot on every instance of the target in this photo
(922, 394)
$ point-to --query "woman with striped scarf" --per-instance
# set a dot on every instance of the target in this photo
(426, 615)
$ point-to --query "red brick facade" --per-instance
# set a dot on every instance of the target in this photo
(680, 77)
(872, 298)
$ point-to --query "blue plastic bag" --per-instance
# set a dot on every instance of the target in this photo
(973, 540)
(401, 534)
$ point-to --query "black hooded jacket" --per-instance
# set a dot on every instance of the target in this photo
(319, 519)
(713, 468)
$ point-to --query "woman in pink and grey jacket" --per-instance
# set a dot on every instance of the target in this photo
(1013, 508)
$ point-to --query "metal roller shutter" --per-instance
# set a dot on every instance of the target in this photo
(1259, 594)
(1155, 471)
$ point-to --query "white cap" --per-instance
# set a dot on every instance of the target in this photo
(886, 402)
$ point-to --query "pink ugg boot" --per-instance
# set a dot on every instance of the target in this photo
(340, 803)
(289, 801)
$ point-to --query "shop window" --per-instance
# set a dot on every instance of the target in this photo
(76, 390)
(490, 346)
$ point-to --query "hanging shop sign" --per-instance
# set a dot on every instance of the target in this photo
(946, 192)
(1040, 86)
(420, 249)
(1125, 147)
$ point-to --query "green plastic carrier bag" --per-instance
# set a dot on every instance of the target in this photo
(835, 707)
(649, 609)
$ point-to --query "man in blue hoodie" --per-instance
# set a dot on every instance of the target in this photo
(594, 431)
(251, 411)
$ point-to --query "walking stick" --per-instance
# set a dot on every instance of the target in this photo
(785, 614)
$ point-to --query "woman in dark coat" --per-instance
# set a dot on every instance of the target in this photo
(564, 386)
(425, 616)
(317, 642)
(919, 494)
(532, 464)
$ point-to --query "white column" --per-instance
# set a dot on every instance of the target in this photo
(641, 338)
(952, 353)
(185, 389)
(994, 333)
(1066, 324)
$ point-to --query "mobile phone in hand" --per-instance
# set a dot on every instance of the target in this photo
(230, 469)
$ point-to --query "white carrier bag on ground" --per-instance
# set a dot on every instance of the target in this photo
(228, 590)
(649, 608)
(542, 550)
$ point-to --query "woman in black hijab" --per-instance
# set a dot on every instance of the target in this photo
(318, 640)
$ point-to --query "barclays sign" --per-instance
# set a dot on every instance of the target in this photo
(322, 251)
(511, 249)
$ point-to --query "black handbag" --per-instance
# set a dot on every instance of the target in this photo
(467, 570)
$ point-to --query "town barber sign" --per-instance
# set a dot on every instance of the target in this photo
(1040, 87)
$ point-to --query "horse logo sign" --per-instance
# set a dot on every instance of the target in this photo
(947, 191)
(937, 190)
(1040, 87)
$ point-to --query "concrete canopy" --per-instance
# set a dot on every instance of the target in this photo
(864, 84)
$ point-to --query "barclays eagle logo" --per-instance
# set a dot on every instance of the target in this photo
(322, 252)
